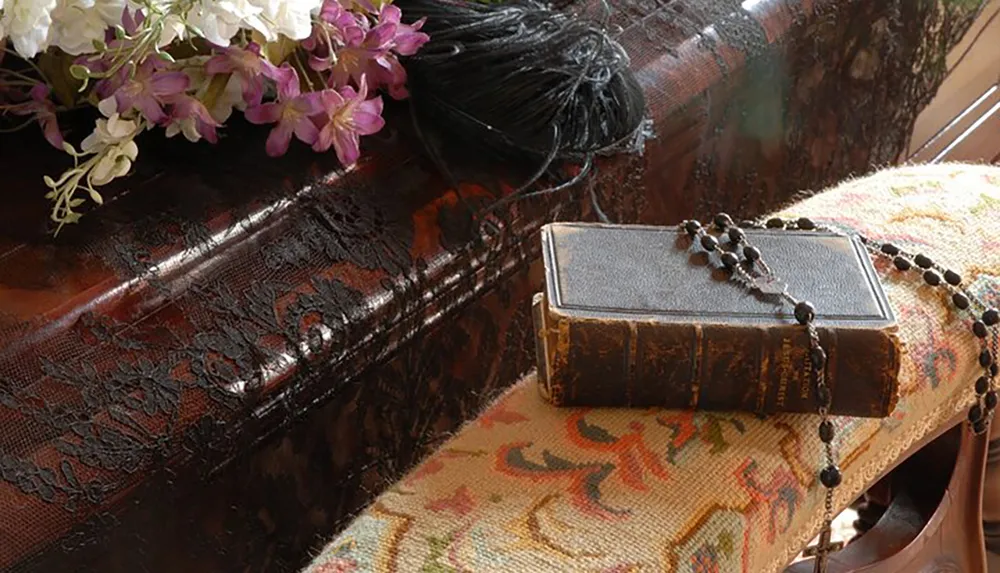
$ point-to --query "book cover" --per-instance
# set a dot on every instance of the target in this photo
(637, 316)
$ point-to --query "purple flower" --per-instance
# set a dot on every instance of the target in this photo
(291, 113)
(374, 56)
(347, 115)
(130, 21)
(45, 113)
(250, 67)
(408, 38)
(335, 27)
(187, 112)
(148, 88)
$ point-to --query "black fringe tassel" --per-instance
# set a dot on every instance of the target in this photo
(524, 82)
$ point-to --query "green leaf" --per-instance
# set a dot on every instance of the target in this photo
(166, 57)
(79, 72)
(76, 202)
(96, 197)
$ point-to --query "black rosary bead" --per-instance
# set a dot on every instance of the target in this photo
(994, 369)
(830, 476)
(826, 431)
(806, 224)
(730, 260)
(775, 223)
(985, 359)
(952, 278)
(901, 263)
(736, 235)
(975, 413)
(979, 427)
(818, 358)
(723, 221)
(747, 224)
(932, 278)
(982, 385)
(960, 300)
(990, 400)
(991, 317)
(890, 249)
(979, 329)
(804, 312)
(823, 397)
(709, 242)
(751, 253)
(692, 227)
(923, 261)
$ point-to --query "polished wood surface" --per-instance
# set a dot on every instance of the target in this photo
(932, 524)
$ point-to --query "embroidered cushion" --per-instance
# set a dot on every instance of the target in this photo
(529, 487)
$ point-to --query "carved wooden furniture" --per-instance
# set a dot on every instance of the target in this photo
(221, 366)
(531, 487)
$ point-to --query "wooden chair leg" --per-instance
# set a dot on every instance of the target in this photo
(991, 501)
(934, 521)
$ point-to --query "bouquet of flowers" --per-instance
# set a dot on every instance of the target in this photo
(309, 69)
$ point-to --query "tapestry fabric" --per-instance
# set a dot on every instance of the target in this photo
(530, 487)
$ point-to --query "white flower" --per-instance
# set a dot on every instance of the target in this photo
(27, 24)
(173, 24)
(110, 11)
(291, 18)
(220, 20)
(220, 105)
(116, 161)
(108, 132)
(231, 97)
(187, 126)
(75, 26)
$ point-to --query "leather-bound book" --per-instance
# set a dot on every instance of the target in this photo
(638, 316)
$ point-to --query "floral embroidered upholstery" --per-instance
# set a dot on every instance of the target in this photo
(528, 487)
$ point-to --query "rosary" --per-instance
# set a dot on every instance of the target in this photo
(752, 273)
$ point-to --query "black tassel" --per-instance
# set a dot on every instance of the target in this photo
(524, 82)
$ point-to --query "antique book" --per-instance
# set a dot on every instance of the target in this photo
(637, 316)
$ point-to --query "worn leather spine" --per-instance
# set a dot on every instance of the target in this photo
(763, 369)
(611, 358)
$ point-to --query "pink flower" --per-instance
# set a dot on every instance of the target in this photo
(374, 56)
(291, 113)
(408, 38)
(148, 88)
(335, 27)
(189, 113)
(45, 112)
(347, 115)
(131, 20)
(249, 66)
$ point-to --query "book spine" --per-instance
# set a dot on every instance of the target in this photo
(620, 363)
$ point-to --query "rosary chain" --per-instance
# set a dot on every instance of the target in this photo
(985, 318)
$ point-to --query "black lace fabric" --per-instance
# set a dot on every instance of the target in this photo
(220, 367)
